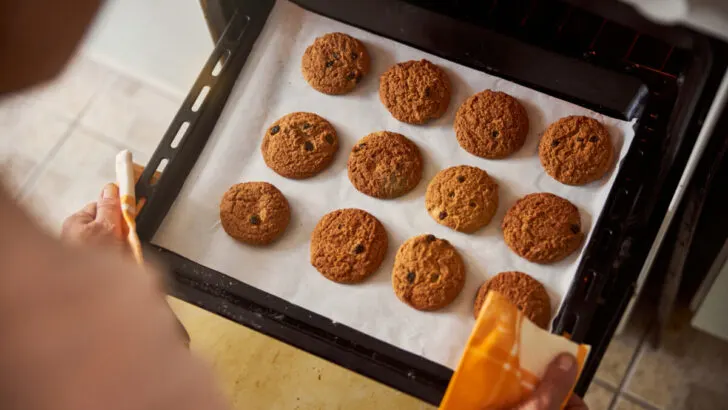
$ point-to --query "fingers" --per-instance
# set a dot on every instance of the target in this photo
(75, 223)
(555, 384)
(89, 211)
(576, 403)
(108, 210)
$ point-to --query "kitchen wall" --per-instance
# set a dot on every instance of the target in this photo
(161, 42)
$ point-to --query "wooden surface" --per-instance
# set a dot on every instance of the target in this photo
(258, 372)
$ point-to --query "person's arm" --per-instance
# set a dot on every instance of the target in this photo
(87, 329)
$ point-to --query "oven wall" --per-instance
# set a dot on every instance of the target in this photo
(161, 42)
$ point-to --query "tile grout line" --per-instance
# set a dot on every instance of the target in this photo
(29, 183)
(629, 372)
(644, 404)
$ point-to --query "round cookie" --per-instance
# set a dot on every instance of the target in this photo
(576, 150)
(522, 290)
(254, 212)
(415, 91)
(428, 273)
(299, 145)
(335, 63)
(385, 165)
(463, 198)
(543, 228)
(348, 245)
(491, 124)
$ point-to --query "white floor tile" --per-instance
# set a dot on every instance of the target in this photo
(74, 89)
(132, 114)
(27, 136)
(73, 178)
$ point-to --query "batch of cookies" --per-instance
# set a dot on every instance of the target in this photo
(348, 245)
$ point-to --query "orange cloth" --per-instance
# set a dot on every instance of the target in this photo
(504, 359)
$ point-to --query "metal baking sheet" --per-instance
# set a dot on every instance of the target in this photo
(270, 86)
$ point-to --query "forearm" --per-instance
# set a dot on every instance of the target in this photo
(17, 233)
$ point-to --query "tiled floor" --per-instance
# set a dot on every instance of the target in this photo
(57, 146)
(58, 142)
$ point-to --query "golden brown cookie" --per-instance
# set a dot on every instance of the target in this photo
(428, 273)
(576, 150)
(299, 145)
(491, 124)
(522, 290)
(415, 91)
(348, 245)
(254, 212)
(463, 198)
(335, 63)
(543, 228)
(385, 165)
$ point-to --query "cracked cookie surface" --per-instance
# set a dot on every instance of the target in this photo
(299, 145)
(385, 165)
(463, 198)
(522, 290)
(348, 245)
(335, 63)
(415, 91)
(576, 150)
(542, 228)
(491, 124)
(254, 212)
(428, 273)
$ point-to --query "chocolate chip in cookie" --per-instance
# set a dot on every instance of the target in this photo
(491, 124)
(254, 212)
(415, 91)
(348, 245)
(576, 150)
(299, 145)
(543, 228)
(428, 273)
(385, 165)
(335, 63)
(463, 198)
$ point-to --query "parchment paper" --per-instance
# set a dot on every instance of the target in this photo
(270, 86)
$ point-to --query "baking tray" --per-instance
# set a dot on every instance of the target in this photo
(616, 93)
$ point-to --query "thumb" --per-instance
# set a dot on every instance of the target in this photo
(108, 209)
(556, 383)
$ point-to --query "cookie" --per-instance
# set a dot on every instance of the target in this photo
(385, 165)
(522, 290)
(335, 63)
(415, 91)
(543, 228)
(463, 198)
(491, 124)
(254, 212)
(428, 273)
(299, 145)
(348, 245)
(576, 150)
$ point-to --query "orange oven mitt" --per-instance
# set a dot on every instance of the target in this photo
(505, 358)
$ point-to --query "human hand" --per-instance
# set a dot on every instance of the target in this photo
(555, 385)
(87, 329)
(98, 223)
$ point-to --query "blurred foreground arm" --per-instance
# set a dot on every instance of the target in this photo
(85, 328)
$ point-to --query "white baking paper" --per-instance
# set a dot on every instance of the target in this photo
(270, 86)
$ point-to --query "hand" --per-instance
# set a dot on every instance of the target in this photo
(98, 223)
(87, 329)
(555, 385)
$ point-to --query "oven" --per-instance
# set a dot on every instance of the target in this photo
(600, 55)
